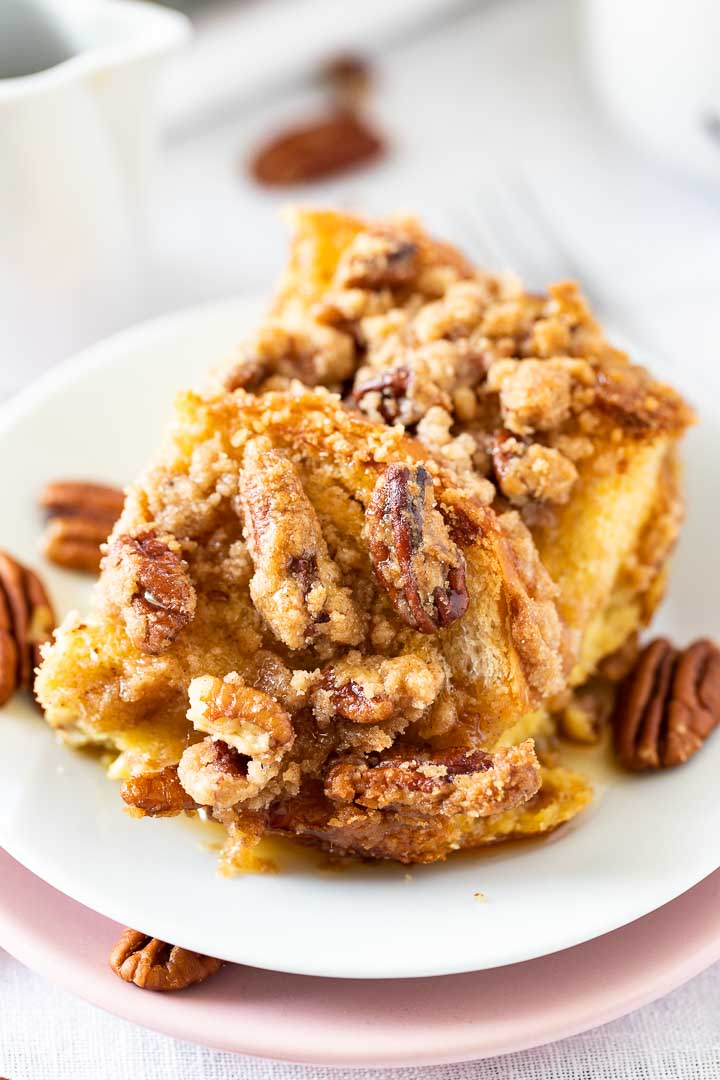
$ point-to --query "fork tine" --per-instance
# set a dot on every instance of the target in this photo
(514, 238)
(527, 200)
(471, 234)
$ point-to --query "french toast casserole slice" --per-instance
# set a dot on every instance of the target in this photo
(414, 516)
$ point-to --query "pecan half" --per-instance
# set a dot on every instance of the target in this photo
(8, 652)
(81, 517)
(78, 498)
(391, 388)
(27, 620)
(376, 260)
(452, 781)
(152, 585)
(296, 587)
(157, 794)
(12, 582)
(321, 147)
(74, 542)
(250, 734)
(412, 554)
(668, 705)
(155, 965)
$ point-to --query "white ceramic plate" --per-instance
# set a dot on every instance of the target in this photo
(642, 843)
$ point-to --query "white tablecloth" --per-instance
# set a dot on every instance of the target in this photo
(498, 91)
(50, 1035)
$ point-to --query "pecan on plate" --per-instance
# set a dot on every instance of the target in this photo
(157, 794)
(27, 621)
(150, 581)
(668, 705)
(296, 587)
(81, 516)
(451, 781)
(412, 553)
(155, 965)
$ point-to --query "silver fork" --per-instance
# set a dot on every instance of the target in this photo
(509, 229)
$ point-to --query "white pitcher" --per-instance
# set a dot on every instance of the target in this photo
(77, 88)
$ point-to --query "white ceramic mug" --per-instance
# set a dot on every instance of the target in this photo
(77, 80)
(656, 65)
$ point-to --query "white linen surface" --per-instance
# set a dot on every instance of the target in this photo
(499, 89)
(50, 1035)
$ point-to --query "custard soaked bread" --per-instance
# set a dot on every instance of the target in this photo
(347, 610)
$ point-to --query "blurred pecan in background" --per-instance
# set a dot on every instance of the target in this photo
(323, 146)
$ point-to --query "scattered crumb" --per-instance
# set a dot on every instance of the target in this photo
(480, 897)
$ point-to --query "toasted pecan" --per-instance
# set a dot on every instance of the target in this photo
(668, 705)
(157, 794)
(321, 147)
(81, 516)
(297, 587)
(412, 552)
(27, 620)
(154, 965)
(154, 585)
(451, 781)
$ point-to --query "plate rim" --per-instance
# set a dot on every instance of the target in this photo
(72, 970)
(102, 354)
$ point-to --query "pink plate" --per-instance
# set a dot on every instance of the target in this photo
(372, 1023)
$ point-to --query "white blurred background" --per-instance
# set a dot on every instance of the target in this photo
(559, 136)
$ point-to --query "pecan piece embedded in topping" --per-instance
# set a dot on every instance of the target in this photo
(250, 734)
(376, 260)
(525, 470)
(452, 781)
(391, 387)
(668, 705)
(315, 354)
(157, 794)
(150, 581)
(296, 586)
(155, 965)
(412, 553)
(377, 689)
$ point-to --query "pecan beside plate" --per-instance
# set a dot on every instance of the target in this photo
(27, 620)
(155, 965)
(668, 705)
(81, 516)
